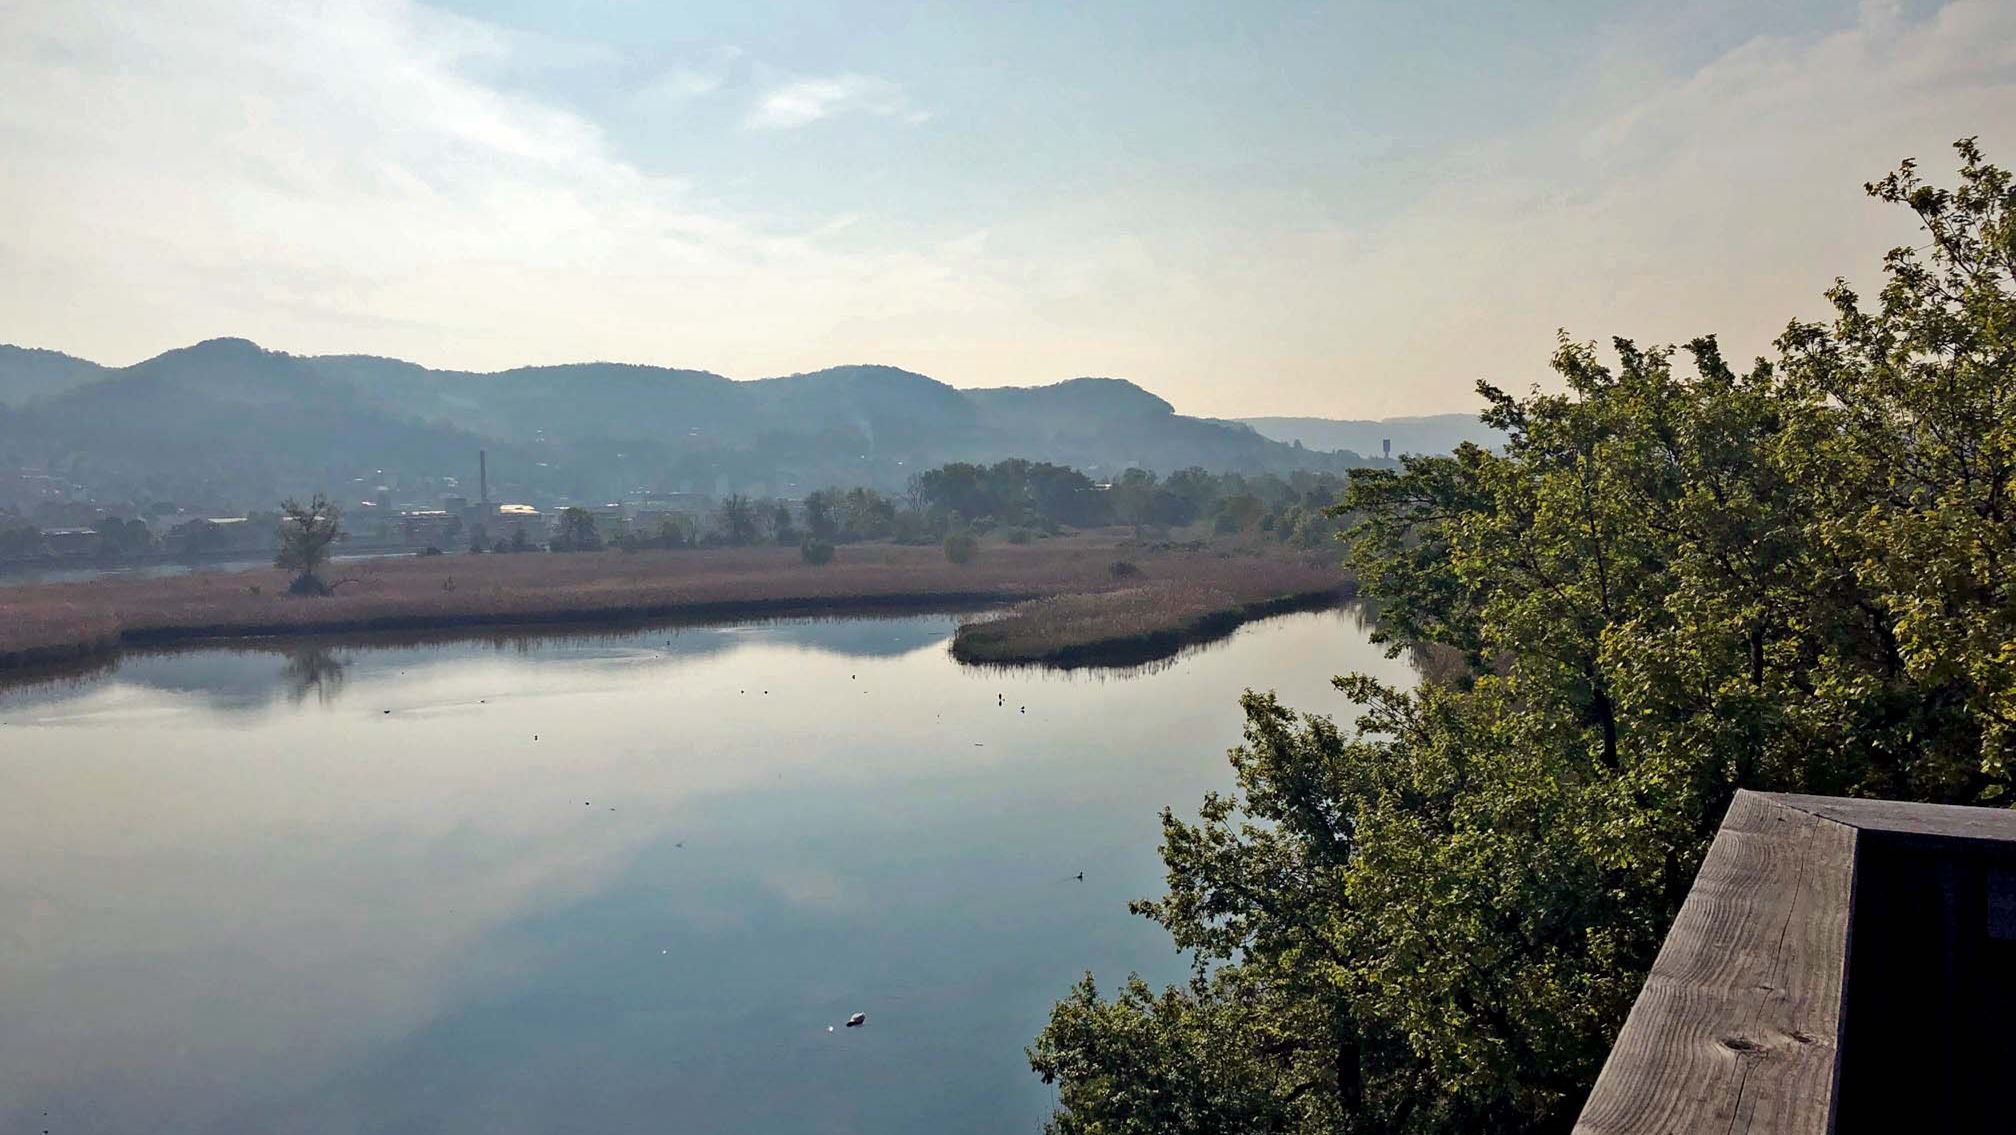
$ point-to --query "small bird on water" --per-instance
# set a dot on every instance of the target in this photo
(857, 1020)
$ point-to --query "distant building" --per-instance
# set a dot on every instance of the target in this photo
(429, 528)
(207, 535)
(611, 521)
(73, 543)
(507, 520)
(641, 504)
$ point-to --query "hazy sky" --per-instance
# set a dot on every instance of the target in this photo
(1347, 209)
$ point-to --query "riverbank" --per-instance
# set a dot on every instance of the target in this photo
(1179, 592)
(1145, 623)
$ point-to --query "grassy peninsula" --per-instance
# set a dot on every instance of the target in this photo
(1147, 618)
(1068, 603)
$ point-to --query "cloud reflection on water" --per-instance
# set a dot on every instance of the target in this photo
(331, 917)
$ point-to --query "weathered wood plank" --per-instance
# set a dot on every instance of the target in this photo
(1736, 1028)
(1944, 821)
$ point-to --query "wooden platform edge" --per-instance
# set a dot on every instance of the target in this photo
(1737, 1026)
(1896, 817)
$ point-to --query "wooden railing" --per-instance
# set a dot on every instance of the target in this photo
(1840, 966)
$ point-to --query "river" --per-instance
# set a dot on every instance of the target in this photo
(621, 884)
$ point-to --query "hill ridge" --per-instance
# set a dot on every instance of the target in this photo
(228, 421)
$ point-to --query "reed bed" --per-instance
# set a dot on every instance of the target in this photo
(1176, 602)
(42, 623)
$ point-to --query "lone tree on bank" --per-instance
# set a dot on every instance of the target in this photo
(577, 532)
(306, 534)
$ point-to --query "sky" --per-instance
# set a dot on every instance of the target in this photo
(1352, 209)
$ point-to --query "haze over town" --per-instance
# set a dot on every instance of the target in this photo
(1109, 567)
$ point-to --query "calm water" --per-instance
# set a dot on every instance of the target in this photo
(611, 885)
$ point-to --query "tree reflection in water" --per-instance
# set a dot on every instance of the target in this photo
(317, 670)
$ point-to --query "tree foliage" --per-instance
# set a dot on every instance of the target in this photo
(736, 520)
(961, 547)
(576, 531)
(124, 537)
(1674, 582)
(307, 534)
(1015, 491)
(782, 529)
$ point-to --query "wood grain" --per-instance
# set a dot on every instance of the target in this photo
(1735, 1030)
(1941, 821)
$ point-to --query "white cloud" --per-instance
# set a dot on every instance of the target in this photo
(339, 176)
(802, 102)
(1721, 200)
(684, 82)
(357, 175)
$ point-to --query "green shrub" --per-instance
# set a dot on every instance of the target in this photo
(815, 551)
(961, 547)
(1123, 569)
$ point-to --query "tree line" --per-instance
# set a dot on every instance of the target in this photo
(1679, 578)
(1015, 499)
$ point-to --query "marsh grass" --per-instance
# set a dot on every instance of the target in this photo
(43, 623)
(1175, 600)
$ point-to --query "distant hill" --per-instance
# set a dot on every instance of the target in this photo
(219, 422)
(28, 373)
(226, 421)
(1435, 433)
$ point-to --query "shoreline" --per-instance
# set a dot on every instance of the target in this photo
(974, 645)
(53, 627)
(717, 613)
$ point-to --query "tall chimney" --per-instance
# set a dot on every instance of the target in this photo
(1386, 447)
(483, 475)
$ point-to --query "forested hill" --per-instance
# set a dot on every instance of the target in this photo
(27, 373)
(228, 420)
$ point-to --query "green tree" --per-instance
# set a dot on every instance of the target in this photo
(1915, 454)
(20, 540)
(124, 537)
(867, 514)
(307, 533)
(736, 518)
(1148, 1063)
(961, 547)
(782, 529)
(819, 516)
(1193, 487)
(1133, 498)
(1237, 513)
(671, 533)
(576, 532)
(1677, 579)
(815, 551)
